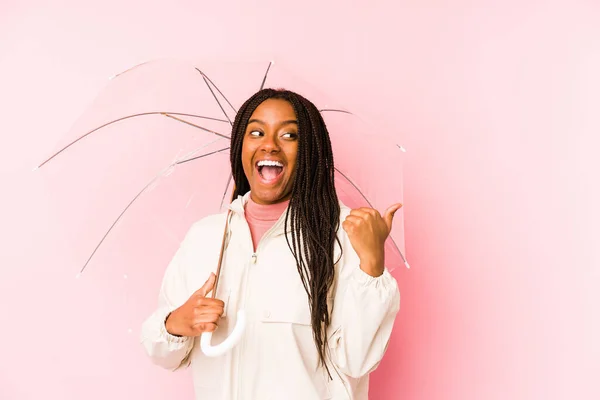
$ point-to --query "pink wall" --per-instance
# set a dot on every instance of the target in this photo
(497, 104)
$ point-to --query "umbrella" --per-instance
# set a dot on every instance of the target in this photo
(163, 127)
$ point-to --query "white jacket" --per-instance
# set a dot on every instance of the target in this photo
(277, 357)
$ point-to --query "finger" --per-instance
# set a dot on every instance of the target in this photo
(370, 211)
(209, 310)
(348, 226)
(388, 216)
(208, 286)
(206, 318)
(362, 212)
(209, 302)
(354, 219)
(205, 327)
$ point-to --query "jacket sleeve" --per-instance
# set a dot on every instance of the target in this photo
(168, 351)
(364, 310)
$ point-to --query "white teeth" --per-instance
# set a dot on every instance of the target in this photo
(267, 163)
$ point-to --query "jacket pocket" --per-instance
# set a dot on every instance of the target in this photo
(293, 356)
(278, 313)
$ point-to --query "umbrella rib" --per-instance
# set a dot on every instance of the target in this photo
(201, 156)
(218, 90)
(335, 110)
(262, 85)
(225, 191)
(215, 96)
(130, 69)
(202, 73)
(226, 187)
(197, 126)
(355, 187)
(136, 197)
(119, 120)
(116, 221)
(370, 205)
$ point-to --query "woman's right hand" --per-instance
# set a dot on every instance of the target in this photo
(198, 314)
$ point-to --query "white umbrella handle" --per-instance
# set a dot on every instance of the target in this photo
(233, 339)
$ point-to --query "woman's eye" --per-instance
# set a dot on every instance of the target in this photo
(290, 135)
(255, 133)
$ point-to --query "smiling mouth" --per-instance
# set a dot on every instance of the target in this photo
(269, 171)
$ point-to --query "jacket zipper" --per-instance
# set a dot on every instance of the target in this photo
(253, 262)
(242, 345)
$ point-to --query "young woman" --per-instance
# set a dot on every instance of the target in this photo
(320, 304)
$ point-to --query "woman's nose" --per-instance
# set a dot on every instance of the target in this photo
(270, 143)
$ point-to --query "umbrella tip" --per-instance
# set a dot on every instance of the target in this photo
(407, 264)
(401, 148)
(78, 276)
(272, 62)
(35, 168)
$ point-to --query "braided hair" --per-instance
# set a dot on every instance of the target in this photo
(314, 210)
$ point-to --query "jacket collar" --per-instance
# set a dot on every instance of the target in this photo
(237, 207)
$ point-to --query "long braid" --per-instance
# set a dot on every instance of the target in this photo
(314, 209)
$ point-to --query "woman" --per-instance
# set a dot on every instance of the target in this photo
(320, 305)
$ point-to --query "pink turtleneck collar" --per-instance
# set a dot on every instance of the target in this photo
(262, 217)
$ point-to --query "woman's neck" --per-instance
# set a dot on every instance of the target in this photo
(265, 212)
(261, 217)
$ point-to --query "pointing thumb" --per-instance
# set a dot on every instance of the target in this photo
(388, 216)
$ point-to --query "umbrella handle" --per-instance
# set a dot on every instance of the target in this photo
(233, 339)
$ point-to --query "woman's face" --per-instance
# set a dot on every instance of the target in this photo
(269, 151)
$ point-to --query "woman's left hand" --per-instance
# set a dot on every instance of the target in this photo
(367, 231)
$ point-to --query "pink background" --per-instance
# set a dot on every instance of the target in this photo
(497, 104)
